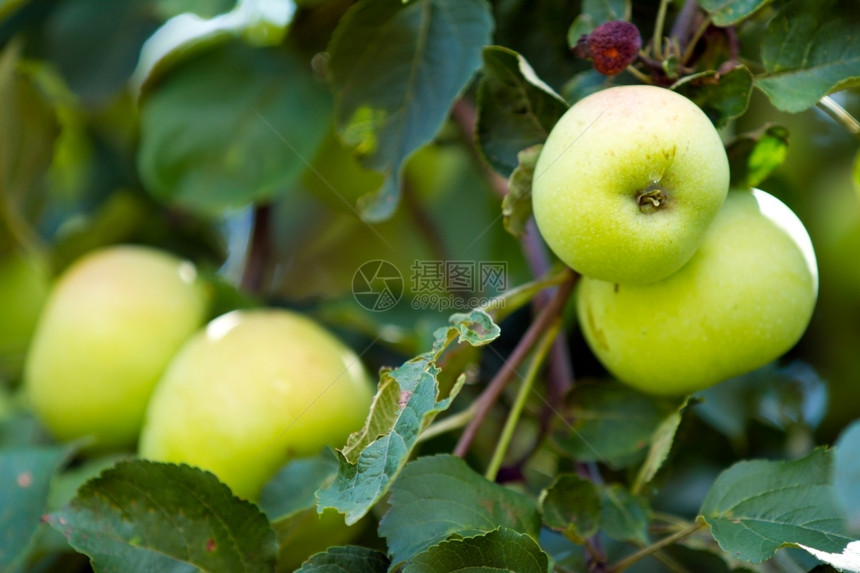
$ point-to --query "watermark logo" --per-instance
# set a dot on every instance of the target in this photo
(434, 284)
(377, 285)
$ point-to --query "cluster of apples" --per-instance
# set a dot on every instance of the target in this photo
(121, 355)
(685, 283)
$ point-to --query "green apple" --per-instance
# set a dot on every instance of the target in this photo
(627, 183)
(743, 300)
(111, 324)
(24, 285)
(252, 390)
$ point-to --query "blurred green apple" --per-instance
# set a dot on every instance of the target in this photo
(111, 324)
(253, 390)
(627, 183)
(24, 285)
(743, 300)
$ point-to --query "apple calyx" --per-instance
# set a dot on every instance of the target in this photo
(651, 198)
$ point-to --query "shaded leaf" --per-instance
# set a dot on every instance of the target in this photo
(729, 12)
(756, 507)
(25, 481)
(499, 551)
(435, 497)
(259, 22)
(722, 96)
(28, 132)
(397, 68)
(346, 560)
(572, 505)
(517, 204)
(782, 397)
(516, 109)
(612, 423)
(289, 502)
(753, 157)
(810, 48)
(206, 156)
(406, 403)
(846, 474)
(661, 444)
(147, 516)
(624, 516)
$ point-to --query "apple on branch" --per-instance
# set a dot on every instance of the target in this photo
(627, 183)
(743, 300)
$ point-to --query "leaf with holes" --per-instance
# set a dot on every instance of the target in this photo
(147, 516)
(406, 403)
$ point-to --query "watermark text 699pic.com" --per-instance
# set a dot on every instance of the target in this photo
(438, 285)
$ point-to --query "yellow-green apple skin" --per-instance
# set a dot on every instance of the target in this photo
(24, 285)
(252, 390)
(112, 322)
(744, 299)
(627, 183)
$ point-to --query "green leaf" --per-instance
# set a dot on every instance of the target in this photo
(722, 96)
(258, 22)
(781, 397)
(516, 109)
(846, 474)
(517, 204)
(499, 551)
(25, 482)
(28, 133)
(435, 497)
(147, 516)
(756, 507)
(729, 12)
(612, 423)
(346, 560)
(289, 502)
(811, 48)
(397, 68)
(624, 516)
(406, 403)
(661, 444)
(754, 156)
(572, 505)
(231, 127)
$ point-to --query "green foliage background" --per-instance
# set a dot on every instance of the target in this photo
(281, 145)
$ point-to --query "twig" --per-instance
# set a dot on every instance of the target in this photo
(840, 115)
(654, 547)
(259, 250)
(541, 351)
(506, 372)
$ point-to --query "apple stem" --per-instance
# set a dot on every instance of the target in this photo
(651, 198)
(654, 547)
